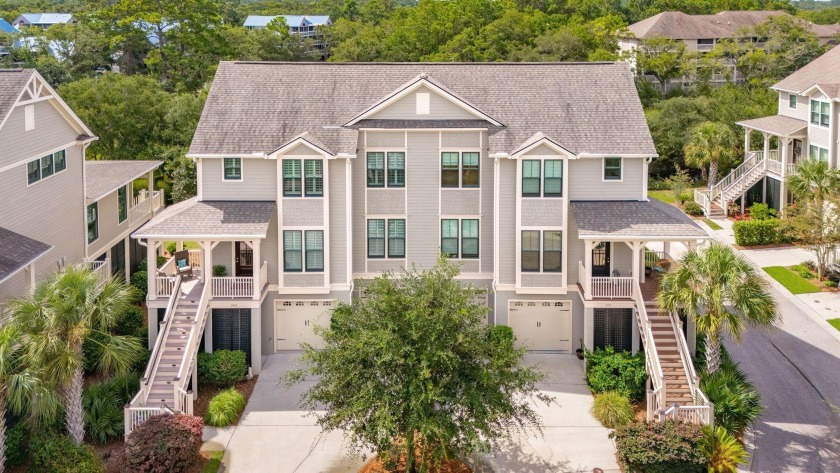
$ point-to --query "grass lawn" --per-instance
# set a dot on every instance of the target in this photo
(835, 323)
(790, 280)
(664, 196)
(214, 462)
(712, 224)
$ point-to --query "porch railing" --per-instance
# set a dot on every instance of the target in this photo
(774, 166)
(101, 269)
(612, 288)
(773, 155)
(184, 398)
(702, 198)
(652, 258)
(164, 285)
(791, 169)
(232, 286)
(144, 206)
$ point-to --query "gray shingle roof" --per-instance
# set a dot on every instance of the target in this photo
(192, 219)
(726, 24)
(17, 251)
(12, 82)
(104, 177)
(824, 70)
(779, 125)
(587, 107)
(623, 219)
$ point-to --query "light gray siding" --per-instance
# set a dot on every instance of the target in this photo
(622, 258)
(819, 136)
(359, 190)
(507, 222)
(51, 210)
(110, 227)
(460, 201)
(801, 110)
(269, 250)
(51, 132)
(223, 255)
(302, 150)
(303, 280)
(382, 139)
(463, 139)
(422, 187)
(575, 251)
(382, 265)
(259, 180)
(542, 150)
(547, 211)
(339, 258)
(488, 248)
(303, 212)
(542, 280)
(586, 180)
(385, 201)
(439, 108)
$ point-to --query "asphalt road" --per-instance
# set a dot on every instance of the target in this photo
(797, 370)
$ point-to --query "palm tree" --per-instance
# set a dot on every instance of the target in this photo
(20, 387)
(814, 180)
(722, 292)
(64, 311)
(711, 144)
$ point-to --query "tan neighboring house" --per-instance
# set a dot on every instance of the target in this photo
(44, 218)
(806, 127)
(701, 33)
(532, 177)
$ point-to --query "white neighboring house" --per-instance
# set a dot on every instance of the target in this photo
(303, 25)
(42, 20)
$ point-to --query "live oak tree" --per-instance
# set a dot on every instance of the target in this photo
(414, 367)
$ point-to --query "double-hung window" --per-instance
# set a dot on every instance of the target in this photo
(460, 169)
(232, 169)
(612, 169)
(46, 166)
(314, 250)
(122, 204)
(386, 237)
(396, 169)
(820, 113)
(292, 182)
(792, 100)
(553, 180)
(33, 171)
(313, 177)
(546, 243)
(817, 153)
(376, 169)
(303, 250)
(459, 241)
(60, 158)
(531, 178)
(292, 251)
(93, 222)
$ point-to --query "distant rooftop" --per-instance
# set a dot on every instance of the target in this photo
(261, 21)
(6, 27)
(679, 25)
(45, 18)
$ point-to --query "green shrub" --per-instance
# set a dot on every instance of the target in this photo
(171, 247)
(224, 408)
(501, 335)
(760, 232)
(802, 271)
(165, 443)
(60, 454)
(139, 279)
(612, 409)
(659, 185)
(685, 198)
(737, 402)
(219, 270)
(660, 447)
(129, 321)
(723, 450)
(622, 372)
(103, 405)
(17, 445)
(692, 208)
(830, 283)
(142, 362)
(759, 211)
(224, 368)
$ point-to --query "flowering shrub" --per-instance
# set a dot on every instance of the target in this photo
(165, 443)
(661, 447)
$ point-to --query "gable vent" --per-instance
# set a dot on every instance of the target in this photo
(422, 103)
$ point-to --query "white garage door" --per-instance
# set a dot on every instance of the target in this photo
(542, 325)
(295, 320)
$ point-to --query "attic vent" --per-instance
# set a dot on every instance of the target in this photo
(422, 103)
(29, 117)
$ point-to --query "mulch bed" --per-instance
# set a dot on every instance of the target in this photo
(207, 391)
(640, 410)
(375, 465)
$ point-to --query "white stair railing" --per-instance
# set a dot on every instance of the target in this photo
(183, 398)
(702, 412)
(656, 378)
(157, 351)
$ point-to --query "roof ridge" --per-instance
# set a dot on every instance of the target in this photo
(570, 63)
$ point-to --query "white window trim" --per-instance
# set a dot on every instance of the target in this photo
(817, 158)
(542, 230)
(460, 218)
(303, 230)
(404, 151)
(42, 179)
(604, 168)
(811, 112)
(794, 102)
(542, 159)
(303, 195)
(87, 232)
(241, 169)
(460, 152)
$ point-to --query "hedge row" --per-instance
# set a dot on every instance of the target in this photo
(760, 232)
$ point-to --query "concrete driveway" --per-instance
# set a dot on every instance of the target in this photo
(275, 435)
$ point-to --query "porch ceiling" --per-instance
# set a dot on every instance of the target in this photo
(633, 220)
(778, 125)
(17, 251)
(209, 220)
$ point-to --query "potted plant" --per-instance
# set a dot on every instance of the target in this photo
(579, 351)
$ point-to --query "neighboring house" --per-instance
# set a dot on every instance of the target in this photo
(544, 207)
(42, 20)
(701, 33)
(806, 127)
(44, 221)
(7, 28)
(305, 26)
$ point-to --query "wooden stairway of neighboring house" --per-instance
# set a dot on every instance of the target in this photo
(677, 389)
(737, 183)
(164, 378)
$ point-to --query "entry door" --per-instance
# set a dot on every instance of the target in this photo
(601, 260)
(244, 260)
(797, 150)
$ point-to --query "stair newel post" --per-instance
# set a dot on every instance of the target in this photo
(195, 377)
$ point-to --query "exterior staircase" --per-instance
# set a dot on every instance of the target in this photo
(164, 387)
(677, 389)
(715, 201)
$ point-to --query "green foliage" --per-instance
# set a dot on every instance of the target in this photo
(437, 378)
(612, 409)
(759, 211)
(622, 372)
(723, 450)
(660, 447)
(17, 445)
(223, 368)
(760, 232)
(693, 208)
(164, 443)
(224, 408)
(60, 454)
(737, 402)
(793, 282)
(711, 223)
(184, 178)
(214, 462)
(663, 58)
(710, 144)
(129, 321)
(219, 270)
(802, 271)
(103, 404)
(139, 279)
(171, 247)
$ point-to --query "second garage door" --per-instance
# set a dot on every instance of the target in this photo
(295, 321)
(542, 325)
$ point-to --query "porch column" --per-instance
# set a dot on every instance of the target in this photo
(127, 272)
(636, 247)
(589, 327)
(150, 185)
(206, 260)
(691, 244)
(151, 268)
(747, 132)
(766, 145)
(30, 278)
(784, 142)
(587, 261)
(255, 246)
(195, 376)
(666, 248)
(179, 245)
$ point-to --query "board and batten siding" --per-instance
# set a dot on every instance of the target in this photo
(507, 221)
(586, 180)
(259, 180)
(51, 132)
(440, 108)
(51, 210)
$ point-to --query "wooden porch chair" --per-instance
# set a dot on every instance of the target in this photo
(182, 264)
